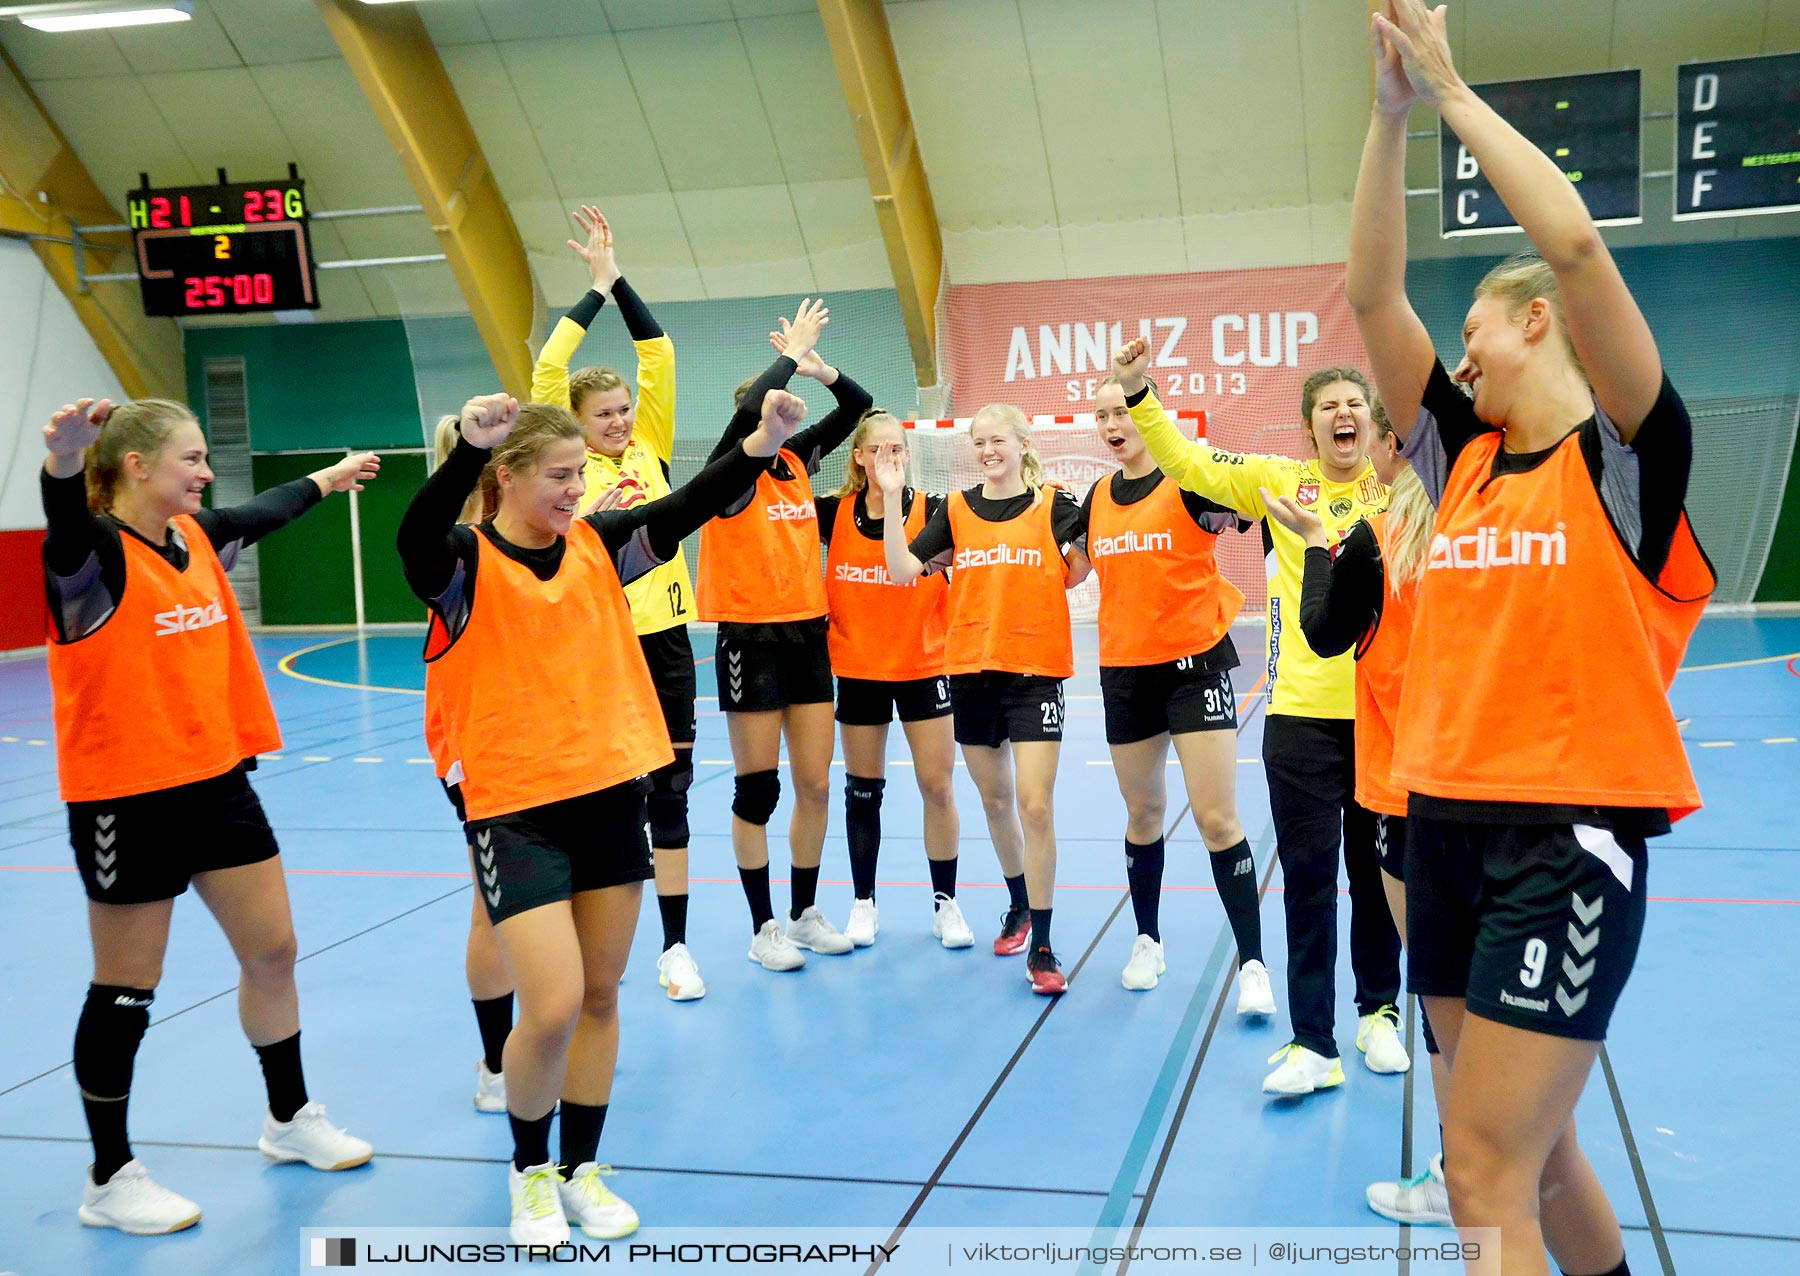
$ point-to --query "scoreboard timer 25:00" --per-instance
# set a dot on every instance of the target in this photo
(235, 248)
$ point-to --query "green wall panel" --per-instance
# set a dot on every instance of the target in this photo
(307, 578)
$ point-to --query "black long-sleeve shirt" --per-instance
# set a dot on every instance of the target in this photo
(439, 556)
(1341, 593)
(84, 557)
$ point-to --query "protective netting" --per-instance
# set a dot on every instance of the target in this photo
(942, 460)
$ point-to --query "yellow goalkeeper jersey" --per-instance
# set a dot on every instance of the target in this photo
(1301, 682)
(663, 597)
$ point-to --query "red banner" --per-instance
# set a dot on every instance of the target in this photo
(1237, 343)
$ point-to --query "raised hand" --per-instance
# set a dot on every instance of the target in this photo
(1296, 518)
(487, 420)
(349, 474)
(1131, 362)
(888, 470)
(808, 364)
(1394, 94)
(1419, 37)
(802, 334)
(597, 251)
(75, 427)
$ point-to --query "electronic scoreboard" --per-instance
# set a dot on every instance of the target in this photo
(1737, 137)
(1587, 124)
(230, 249)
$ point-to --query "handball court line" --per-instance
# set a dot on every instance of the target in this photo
(935, 1180)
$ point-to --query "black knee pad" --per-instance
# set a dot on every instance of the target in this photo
(754, 800)
(862, 790)
(668, 802)
(112, 1024)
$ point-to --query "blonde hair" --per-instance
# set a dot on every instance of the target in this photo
(1031, 466)
(1521, 279)
(142, 426)
(855, 477)
(539, 425)
(586, 381)
(443, 443)
(1412, 516)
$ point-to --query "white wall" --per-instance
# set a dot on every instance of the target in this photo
(46, 359)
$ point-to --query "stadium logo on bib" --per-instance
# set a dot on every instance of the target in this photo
(1488, 547)
(1000, 556)
(181, 619)
(782, 511)
(1131, 542)
(876, 575)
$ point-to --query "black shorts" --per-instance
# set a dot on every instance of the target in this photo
(755, 676)
(992, 708)
(671, 659)
(553, 852)
(1190, 694)
(144, 848)
(1533, 925)
(454, 793)
(863, 702)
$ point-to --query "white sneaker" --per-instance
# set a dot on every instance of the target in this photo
(537, 1206)
(1378, 1037)
(1145, 966)
(948, 926)
(133, 1202)
(596, 1211)
(1302, 1071)
(1255, 996)
(490, 1088)
(1422, 1200)
(812, 929)
(865, 920)
(311, 1137)
(772, 949)
(677, 971)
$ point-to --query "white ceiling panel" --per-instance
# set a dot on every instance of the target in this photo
(744, 226)
(538, 19)
(454, 22)
(591, 130)
(1330, 232)
(68, 55)
(1516, 42)
(703, 106)
(1781, 27)
(1234, 87)
(798, 84)
(117, 130)
(397, 236)
(1153, 247)
(1265, 237)
(246, 140)
(344, 153)
(968, 83)
(499, 120)
(275, 30)
(178, 46)
(1103, 109)
(1334, 84)
(1004, 254)
(1648, 32)
(632, 15)
(842, 234)
(771, 8)
(647, 231)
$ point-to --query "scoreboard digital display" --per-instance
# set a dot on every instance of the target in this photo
(1587, 124)
(231, 249)
(1737, 137)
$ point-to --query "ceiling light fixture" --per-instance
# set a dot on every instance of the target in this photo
(92, 15)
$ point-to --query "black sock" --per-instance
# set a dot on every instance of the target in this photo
(107, 1035)
(1144, 871)
(1443, 1156)
(862, 830)
(756, 890)
(1234, 873)
(581, 1126)
(1623, 1269)
(674, 918)
(282, 1075)
(943, 876)
(1431, 1045)
(1015, 890)
(494, 1018)
(804, 890)
(1040, 929)
(531, 1139)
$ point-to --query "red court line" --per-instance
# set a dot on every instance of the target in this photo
(1791, 669)
(781, 881)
